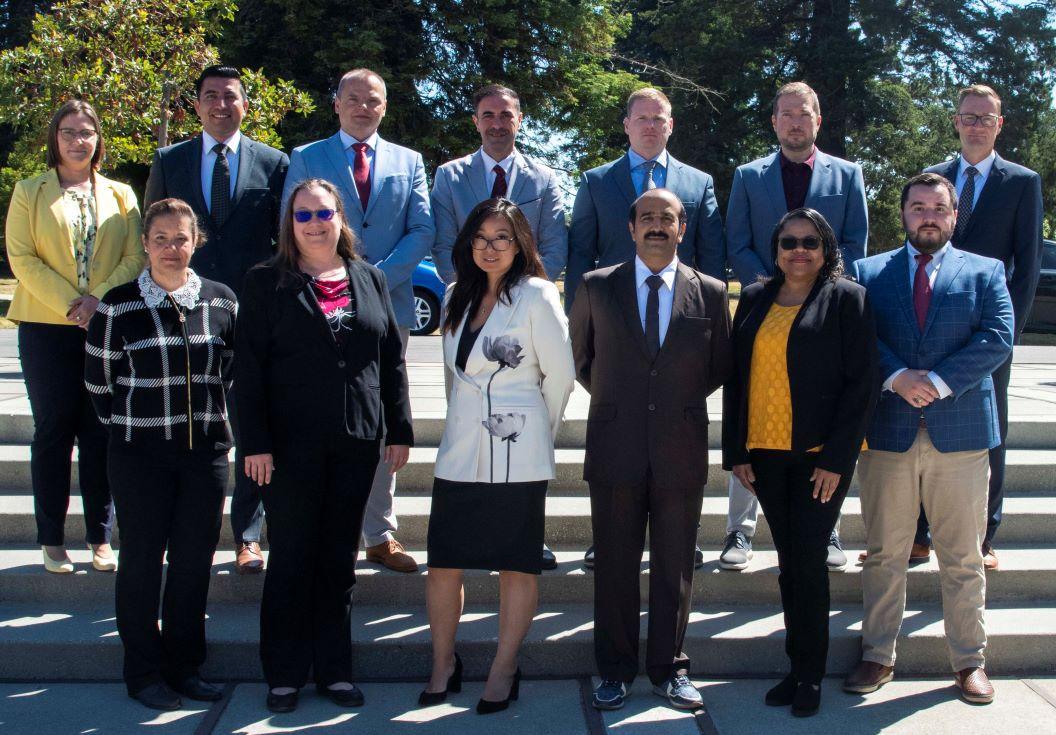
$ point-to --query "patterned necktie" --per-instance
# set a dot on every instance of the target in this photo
(361, 173)
(652, 315)
(220, 196)
(498, 189)
(965, 203)
(921, 290)
(648, 184)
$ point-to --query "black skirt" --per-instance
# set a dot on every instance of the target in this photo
(493, 526)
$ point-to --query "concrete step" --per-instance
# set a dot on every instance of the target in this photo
(1026, 574)
(1028, 520)
(394, 643)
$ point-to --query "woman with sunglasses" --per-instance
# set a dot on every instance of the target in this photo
(794, 414)
(321, 383)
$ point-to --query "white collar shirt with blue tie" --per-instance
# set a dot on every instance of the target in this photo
(983, 169)
(234, 145)
(666, 292)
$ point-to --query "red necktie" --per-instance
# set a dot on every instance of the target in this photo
(921, 290)
(498, 189)
(361, 174)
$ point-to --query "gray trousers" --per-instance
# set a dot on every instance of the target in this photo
(743, 513)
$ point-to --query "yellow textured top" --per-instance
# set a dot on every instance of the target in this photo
(769, 395)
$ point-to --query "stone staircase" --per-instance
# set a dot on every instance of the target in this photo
(62, 628)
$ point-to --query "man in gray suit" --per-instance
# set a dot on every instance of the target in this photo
(498, 169)
(763, 191)
(386, 200)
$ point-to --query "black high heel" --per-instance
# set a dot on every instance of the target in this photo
(454, 685)
(488, 707)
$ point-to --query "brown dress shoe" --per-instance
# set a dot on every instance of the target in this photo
(391, 555)
(249, 559)
(975, 686)
(989, 558)
(919, 553)
(868, 676)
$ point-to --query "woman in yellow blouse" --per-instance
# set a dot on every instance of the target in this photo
(794, 416)
(72, 235)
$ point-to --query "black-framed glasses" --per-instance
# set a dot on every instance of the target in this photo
(810, 242)
(70, 135)
(498, 244)
(305, 215)
(987, 121)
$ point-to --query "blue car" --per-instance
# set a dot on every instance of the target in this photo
(428, 295)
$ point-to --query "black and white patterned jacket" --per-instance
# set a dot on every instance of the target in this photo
(158, 365)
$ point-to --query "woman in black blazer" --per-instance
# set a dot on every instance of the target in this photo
(321, 380)
(795, 412)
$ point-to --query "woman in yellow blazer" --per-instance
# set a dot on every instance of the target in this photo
(72, 235)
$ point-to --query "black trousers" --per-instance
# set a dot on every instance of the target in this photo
(801, 527)
(619, 516)
(247, 508)
(53, 365)
(315, 506)
(996, 496)
(174, 501)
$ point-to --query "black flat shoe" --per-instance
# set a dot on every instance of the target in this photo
(279, 703)
(196, 688)
(783, 694)
(158, 696)
(807, 700)
(342, 697)
(549, 560)
(454, 685)
(488, 707)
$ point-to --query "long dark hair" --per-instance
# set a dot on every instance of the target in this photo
(285, 259)
(832, 267)
(472, 282)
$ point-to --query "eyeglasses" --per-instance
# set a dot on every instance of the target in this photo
(987, 121)
(70, 135)
(807, 243)
(498, 244)
(305, 215)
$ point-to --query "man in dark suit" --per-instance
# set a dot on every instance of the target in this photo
(998, 215)
(651, 338)
(234, 185)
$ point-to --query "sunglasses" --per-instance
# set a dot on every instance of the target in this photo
(807, 243)
(305, 215)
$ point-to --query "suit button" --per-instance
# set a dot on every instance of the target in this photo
(340, 363)
(366, 225)
(653, 373)
(652, 406)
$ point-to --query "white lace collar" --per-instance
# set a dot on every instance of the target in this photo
(186, 295)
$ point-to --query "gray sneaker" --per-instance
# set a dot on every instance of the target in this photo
(737, 552)
(836, 559)
(679, 692)
(610, 694)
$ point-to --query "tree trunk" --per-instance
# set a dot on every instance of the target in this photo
(831, 52)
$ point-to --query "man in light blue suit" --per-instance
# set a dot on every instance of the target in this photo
(944, 323)
(498, 169)
(386, 200)
(797, 175)
(598, 236)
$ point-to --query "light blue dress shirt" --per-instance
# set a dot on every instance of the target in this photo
(666, 292)
(638, 170)
(209, 161)
(983, 167)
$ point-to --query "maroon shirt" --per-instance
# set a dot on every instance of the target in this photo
(796, 179)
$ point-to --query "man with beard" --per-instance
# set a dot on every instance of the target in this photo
(651, 338)
(944, 323)
(763, 191)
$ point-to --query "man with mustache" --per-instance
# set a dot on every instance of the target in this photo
(944, 323)
(763, 191)
(651, 339)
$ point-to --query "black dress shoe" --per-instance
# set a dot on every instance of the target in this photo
(588, 558)
(698, 558)
(454, 685)
(279, 703)
(549, 560)
(194, 687)
(807, 700)
(158, 696)
(342, 697)
(783, 694)
(488, 707)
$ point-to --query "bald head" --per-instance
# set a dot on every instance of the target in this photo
(664, 194)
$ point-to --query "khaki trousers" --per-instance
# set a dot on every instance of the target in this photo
(952, 487)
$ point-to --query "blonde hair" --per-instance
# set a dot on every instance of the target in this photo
(800, 89)
(648, 93)
(978, 90)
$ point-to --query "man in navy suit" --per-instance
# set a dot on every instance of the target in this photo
(233, 184)
(386, 200)
(797, 175)
(944, 323)
(999, 215)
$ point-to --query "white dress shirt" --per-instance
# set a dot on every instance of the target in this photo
(666, 292)
(638, 172)
(932, 270)
(983, 167)
(507, 166)
(209, 161)
(347, 141)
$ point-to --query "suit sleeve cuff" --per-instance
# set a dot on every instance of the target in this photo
(889, 384)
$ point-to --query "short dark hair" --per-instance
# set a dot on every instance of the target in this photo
(800, 89)
(223, 72)
(832, 267)
(932, 180)
(633, 214)
(73, 107)
(173, 207)
(494, 90)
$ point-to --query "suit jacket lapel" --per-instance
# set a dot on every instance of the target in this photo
(53, 195)
(775, 187)
(245, 165)
(336, 153)
(952, 263)
(903, 286)
(194, 167)
(621, 176)
(105, 208)
(377, 179)
(674, 174)
(625, 291)
(478, 177)
(682, 298)
(987, 197)
(820, 179)
(525, 171)
(496, 326)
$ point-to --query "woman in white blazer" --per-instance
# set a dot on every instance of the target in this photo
(509, 372)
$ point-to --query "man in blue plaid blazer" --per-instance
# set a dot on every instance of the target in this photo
(944, 322)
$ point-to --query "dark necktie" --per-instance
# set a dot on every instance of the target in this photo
(361, 173)
(921, 290)
(652, 314)
(220, 196)
(965, 203)
(648, 184)
(498, 189)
